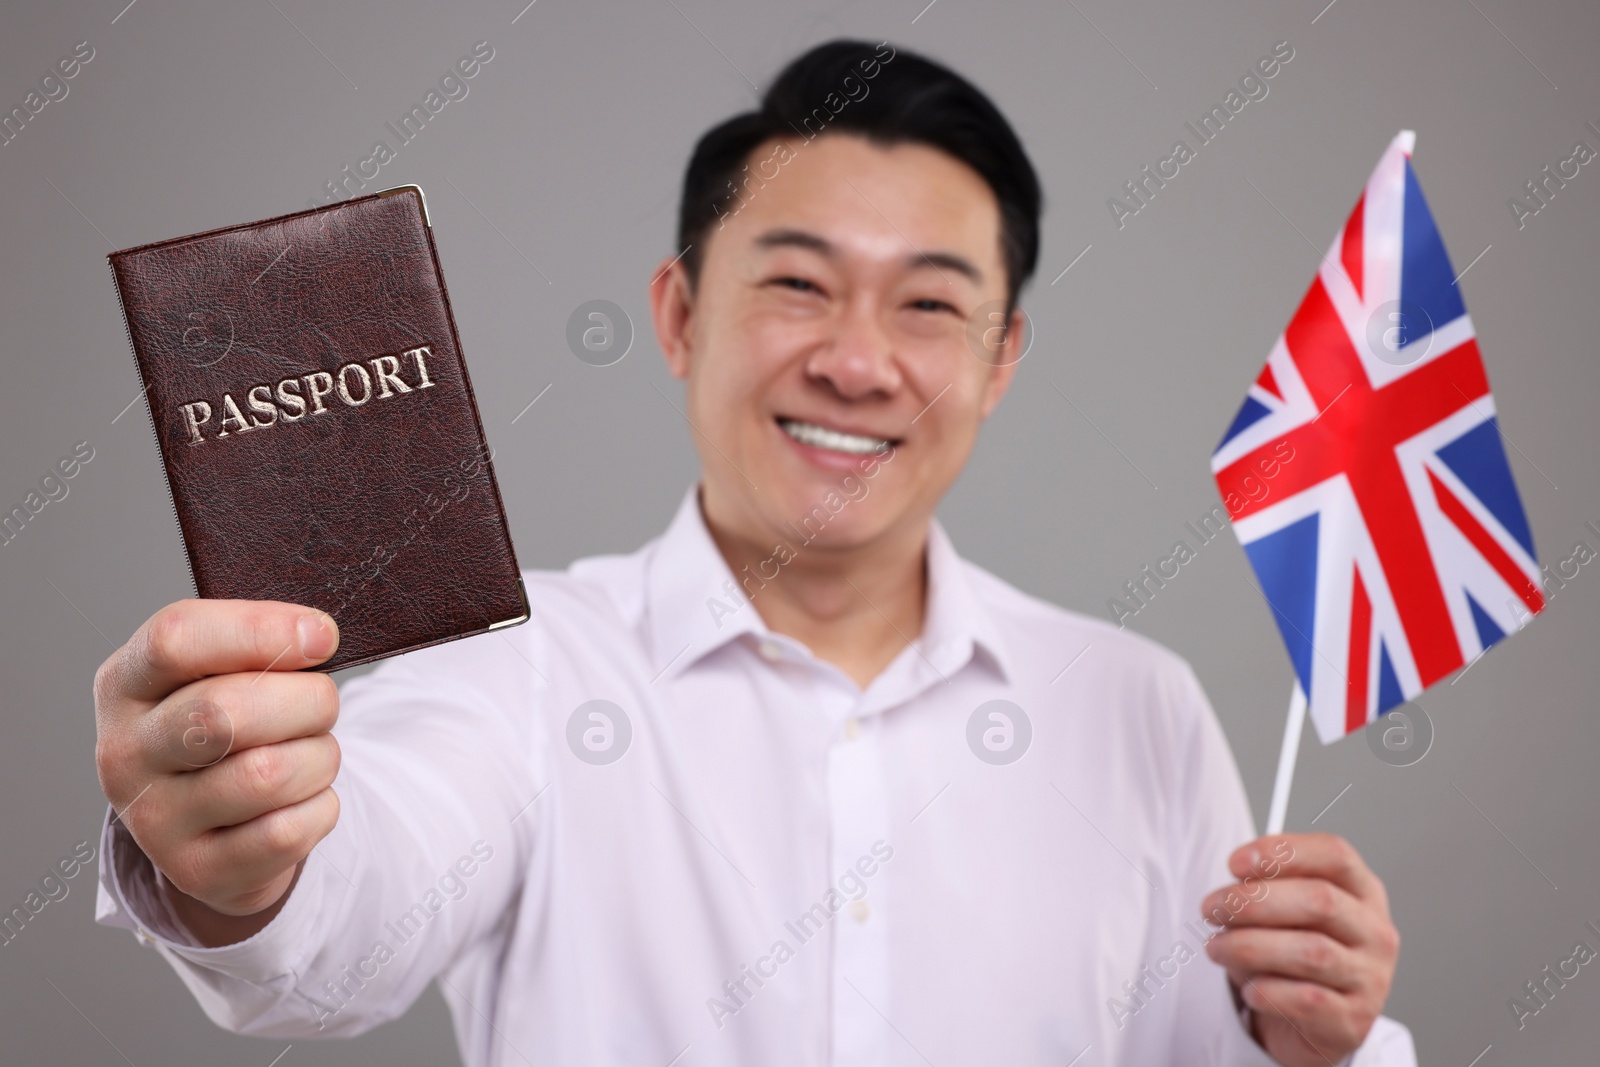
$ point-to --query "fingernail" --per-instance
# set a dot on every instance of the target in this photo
(1254, 857)
(318, 635)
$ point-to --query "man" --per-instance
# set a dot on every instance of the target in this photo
(794, 783)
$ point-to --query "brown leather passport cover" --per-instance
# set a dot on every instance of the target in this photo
(317, 425)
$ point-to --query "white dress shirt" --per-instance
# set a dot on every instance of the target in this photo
(744, 858)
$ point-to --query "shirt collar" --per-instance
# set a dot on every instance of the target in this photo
(696, 604)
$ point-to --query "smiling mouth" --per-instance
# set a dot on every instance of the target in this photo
(809, 433)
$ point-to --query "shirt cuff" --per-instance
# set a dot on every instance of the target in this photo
(129, 896)
(1388, 1044)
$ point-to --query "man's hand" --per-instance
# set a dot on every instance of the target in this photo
(216, 754)
(1308, 945)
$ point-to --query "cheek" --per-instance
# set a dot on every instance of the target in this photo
(734, 370)
(766, 339)
(948, 430)
(952, 439)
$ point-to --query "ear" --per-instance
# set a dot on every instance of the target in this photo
(671, 311)
(1004, 368)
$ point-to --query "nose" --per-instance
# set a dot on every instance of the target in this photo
(858, 359)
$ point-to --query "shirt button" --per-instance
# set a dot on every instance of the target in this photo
(859, 910)
(770, 651)
(852, 728)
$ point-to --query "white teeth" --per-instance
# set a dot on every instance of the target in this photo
(811, 434)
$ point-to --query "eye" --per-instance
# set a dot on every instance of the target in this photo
(799, 285)
(930, 304)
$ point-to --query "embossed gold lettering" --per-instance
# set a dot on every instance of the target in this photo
(260, 407)
(386, 368)
(291, 400)
(317, 394)
(294, 398)
(231, 413)
(344, 385)
(192, 418)
(422, 366)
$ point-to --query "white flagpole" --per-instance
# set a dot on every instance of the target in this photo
(1286, 760)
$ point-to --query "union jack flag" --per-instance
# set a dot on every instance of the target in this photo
(1365, 472)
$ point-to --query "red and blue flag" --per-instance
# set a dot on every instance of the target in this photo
(1366, 474)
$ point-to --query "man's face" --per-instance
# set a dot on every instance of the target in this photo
(826, 344)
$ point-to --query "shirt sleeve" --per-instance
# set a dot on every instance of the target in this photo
(441, 763)
(1210, 819)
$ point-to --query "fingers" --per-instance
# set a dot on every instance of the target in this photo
(1309, 856)
(231, 869)
(170, 814)
(206, 721)
(192, 639)
(200, 726)
(254, 783)
(1302, 954)
(215, 751)
(1320, 1020)
(1292, 903)
(1308, 942)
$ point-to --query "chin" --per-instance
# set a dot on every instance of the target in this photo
(825, 516)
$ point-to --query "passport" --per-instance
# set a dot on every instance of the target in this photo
(316, 424)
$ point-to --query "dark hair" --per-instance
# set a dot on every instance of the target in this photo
(903, 98)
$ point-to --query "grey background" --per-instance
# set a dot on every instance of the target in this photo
(567, 155)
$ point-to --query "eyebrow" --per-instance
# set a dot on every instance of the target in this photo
(939, 261)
